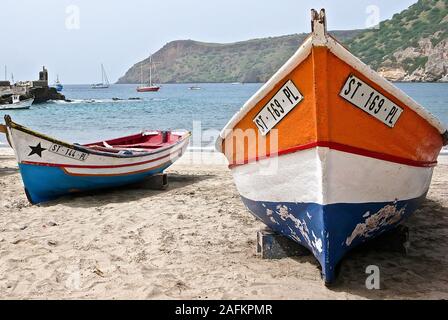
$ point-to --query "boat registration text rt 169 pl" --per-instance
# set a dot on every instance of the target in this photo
(371, 101)
(278, 107)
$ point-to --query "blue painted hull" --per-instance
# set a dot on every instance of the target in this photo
(59, 87)
(43, 183)
(330, 231)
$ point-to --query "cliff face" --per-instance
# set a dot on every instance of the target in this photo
(412, 46)
(431, 63)
(247, 61)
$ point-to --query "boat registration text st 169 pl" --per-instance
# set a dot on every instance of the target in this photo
(67, 152)
(278, 107)
(371, 101)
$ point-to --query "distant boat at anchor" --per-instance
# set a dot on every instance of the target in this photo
(16, 103)
(58, 85)
(104, 80)
(195, 87)
(150, 87)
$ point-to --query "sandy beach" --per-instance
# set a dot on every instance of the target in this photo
(194, 240)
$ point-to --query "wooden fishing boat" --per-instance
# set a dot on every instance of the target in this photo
(51, 168)
(329, 153)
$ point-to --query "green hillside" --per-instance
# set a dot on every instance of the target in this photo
(411, 46)
(247, 61)
(426, 18)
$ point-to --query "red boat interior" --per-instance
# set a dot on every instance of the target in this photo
(144, 142)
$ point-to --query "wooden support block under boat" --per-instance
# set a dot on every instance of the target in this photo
(2, 128)
(156, 182)
(271, 245)
(395, 240)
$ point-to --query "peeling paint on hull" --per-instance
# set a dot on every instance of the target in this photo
(326, 229)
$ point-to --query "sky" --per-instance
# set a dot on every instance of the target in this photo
(73, 37)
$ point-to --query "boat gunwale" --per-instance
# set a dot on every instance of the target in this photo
(19, 127)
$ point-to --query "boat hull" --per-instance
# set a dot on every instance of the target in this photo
(148, 89)
(99, 87)
(330, 201)
(51, 168)
(44, 183)
(24, 104)
(329, 153)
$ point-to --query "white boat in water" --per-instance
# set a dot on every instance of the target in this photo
(16, 103)
(104, 80)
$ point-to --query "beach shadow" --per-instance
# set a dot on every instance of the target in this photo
(8, 171)
(128, 193)
(420, 272)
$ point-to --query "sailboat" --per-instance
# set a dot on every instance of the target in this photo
(150, 87)
(104, 80)
(58, 85)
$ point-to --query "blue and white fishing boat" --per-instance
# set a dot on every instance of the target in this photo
(58, 85)
(330, 154)
(51, 168)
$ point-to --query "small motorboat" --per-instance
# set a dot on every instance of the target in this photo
(330, 154)
(194, 87)
(16, 103)
(51, 168)
(150, 87)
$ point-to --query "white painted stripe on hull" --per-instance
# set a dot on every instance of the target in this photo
(127, 169)
(22, 141)
(325, 176)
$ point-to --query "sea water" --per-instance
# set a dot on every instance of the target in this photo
(94, 115)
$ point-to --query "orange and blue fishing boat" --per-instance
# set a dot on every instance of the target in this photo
(330, 154)
(51, 168)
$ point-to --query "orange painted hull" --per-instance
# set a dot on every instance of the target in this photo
(325, 118)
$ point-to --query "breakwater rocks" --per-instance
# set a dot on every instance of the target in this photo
(44, 94)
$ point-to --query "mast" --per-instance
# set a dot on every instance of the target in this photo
(102, 74)
(105, 76)
(150, 70)
(141, 74)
